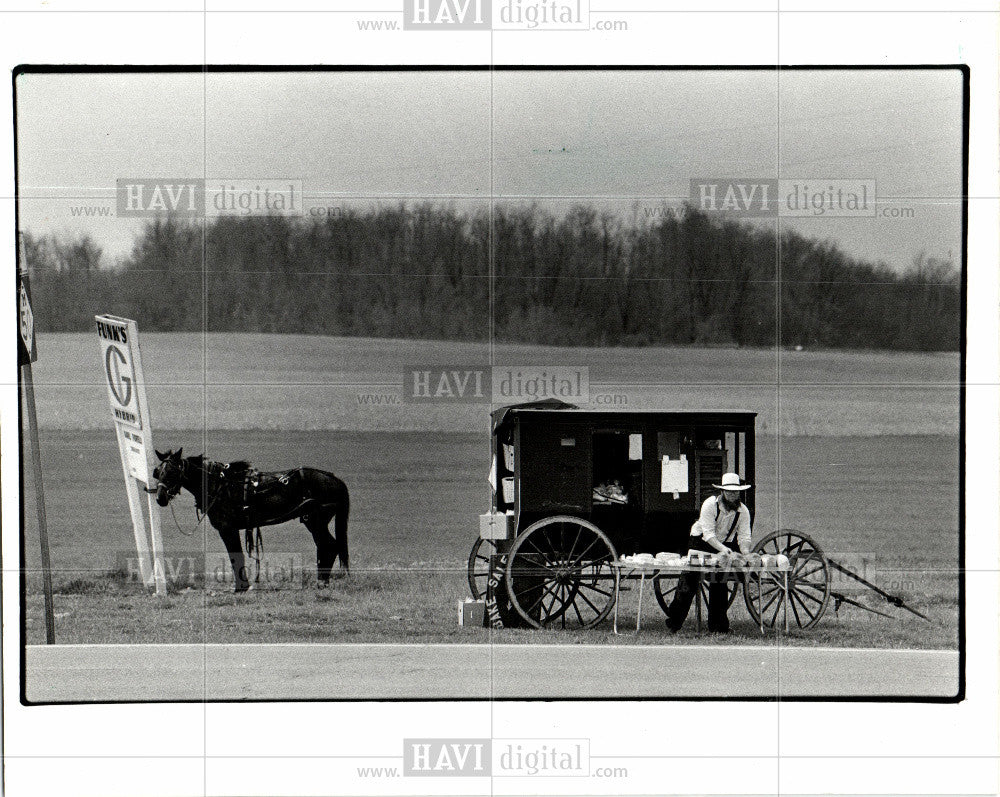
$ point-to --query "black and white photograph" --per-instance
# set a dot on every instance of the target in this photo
(564, 397)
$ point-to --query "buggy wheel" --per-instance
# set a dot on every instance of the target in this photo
(479, 566)
(808, 581)
(560, 568)
(665, 587)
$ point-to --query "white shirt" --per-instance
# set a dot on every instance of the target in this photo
(710, 525)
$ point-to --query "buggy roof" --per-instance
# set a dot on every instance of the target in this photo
(552, 408)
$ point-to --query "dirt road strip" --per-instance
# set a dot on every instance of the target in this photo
(122, 673)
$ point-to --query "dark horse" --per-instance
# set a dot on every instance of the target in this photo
(237, 497)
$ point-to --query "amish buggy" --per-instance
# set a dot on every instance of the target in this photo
(576, 489)
(236, 497)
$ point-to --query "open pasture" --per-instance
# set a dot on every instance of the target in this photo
(225, 381)
(413, 520)
(859, 450)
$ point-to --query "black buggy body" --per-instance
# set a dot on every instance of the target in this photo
(574, 489)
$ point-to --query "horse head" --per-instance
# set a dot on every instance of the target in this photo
(169, 475)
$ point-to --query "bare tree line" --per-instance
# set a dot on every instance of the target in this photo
(424, 271)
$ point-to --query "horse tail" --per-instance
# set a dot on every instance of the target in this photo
(340, 516)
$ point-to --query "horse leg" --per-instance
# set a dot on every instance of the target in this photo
(326, 547)
(340, 516)
(231, 539)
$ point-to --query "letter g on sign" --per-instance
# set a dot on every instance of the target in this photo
(121, 386)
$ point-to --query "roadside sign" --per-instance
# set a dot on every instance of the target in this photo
(27, 352)
(117, 336)
(26, 321)
(121, 366)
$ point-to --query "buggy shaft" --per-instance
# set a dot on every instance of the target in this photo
(895, 600)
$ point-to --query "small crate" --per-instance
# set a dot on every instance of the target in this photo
(494, 525)
(508, 489)
(471, 614)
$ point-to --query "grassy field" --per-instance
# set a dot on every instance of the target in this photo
(858, 449)
(296, 382)
(414, 504)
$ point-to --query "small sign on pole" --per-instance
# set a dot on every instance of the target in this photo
(121, 364)
(27, 353)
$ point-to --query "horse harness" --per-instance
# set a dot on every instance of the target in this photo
(255, 485)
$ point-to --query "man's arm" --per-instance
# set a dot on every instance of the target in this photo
(743, 532)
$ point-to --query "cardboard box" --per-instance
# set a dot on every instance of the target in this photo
(471, 613)
(494, 525)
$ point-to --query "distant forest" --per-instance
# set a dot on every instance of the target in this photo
(583, 278)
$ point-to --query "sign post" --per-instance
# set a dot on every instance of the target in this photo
(121, 363)
(27, 353)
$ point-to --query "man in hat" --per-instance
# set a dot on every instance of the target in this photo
(722, 527)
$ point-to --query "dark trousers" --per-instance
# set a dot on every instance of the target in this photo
(718, 594)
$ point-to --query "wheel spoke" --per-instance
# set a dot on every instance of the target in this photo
(531, 588)
(807, 595)
(546, 611)
(803, 561)
(606, 593)
(802, 586)
(557, 552)
(581, 595)
(543, 571)
(795, 611)
(538, 550)
(579, 559)
(805, 608)
(764, 607)
(777, 607)
(765, 590)
(576, 539)
(804, 576)
(552, 612)
(793, 546)
(545, 589)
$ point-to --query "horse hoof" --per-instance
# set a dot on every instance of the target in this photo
(322, 585)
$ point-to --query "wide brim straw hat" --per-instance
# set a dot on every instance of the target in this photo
(732, 481)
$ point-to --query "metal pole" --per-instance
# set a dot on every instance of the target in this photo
(43, 534)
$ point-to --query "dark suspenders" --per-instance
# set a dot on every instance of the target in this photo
(732, 528)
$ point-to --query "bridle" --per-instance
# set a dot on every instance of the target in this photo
(172, 492)
(176, 488)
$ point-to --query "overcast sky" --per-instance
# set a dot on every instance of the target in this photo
(607, 138)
